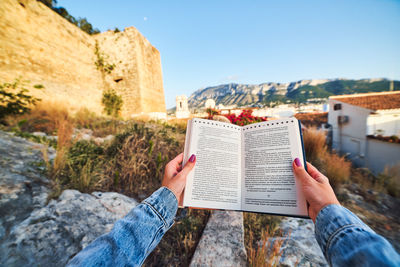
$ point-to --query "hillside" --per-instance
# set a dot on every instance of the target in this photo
(302, 91)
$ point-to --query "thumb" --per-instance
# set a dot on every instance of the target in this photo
(300, 173)
(188, 166)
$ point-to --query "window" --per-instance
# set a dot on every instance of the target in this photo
(337, 107)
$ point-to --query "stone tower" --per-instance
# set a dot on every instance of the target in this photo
(37, 44)
(137, 74)
(182, 110)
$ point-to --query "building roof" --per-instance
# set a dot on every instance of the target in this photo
(374, 101)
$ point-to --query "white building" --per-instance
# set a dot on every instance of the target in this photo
(355, 117)
(182, 109)
(210, 103)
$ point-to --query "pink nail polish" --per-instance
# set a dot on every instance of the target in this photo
(297, 162)
(192, 158)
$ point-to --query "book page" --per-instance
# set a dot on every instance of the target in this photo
(216, 179)
(269, 185)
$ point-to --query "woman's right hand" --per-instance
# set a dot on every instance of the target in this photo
(315, 186)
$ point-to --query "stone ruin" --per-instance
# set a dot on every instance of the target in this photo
(38, 45)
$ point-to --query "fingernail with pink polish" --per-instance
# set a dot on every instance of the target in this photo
(297, 162)
(192, 158)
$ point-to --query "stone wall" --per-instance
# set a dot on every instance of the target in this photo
(37, 44)
(137, 75)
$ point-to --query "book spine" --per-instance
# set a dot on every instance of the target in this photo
(187, 142)
(302, 146)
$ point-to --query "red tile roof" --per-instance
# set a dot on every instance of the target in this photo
(374, 101)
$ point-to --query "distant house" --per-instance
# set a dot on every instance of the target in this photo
(359, 124)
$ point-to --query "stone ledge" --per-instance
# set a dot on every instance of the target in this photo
(222, 242)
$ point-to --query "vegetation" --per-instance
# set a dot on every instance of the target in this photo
(82, 23)
(339, 87)
(389, 179)
(14, 98)
(269, 252)
(211, 112)
(335, 167)
(112, 103)
(245, 118)
(133, 162)
(101, 61)
(179, 243)
(303, 94)
(272, 99)
(261, 228)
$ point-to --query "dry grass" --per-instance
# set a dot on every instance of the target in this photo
(390, 180)
(179, 123)
(335, 167)
(314, 144)
(269, 252)
(84, 118)
(132, 164)
(64, 134)
(101, 126)
(179, 243)
(44, 117)
(135, 160)
(257, 229)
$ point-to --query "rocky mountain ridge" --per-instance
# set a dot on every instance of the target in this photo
(300, 91)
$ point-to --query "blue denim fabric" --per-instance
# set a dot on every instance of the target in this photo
(346, 241)
(132, 238)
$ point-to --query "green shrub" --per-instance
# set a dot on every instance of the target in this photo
(136, 160)
(112, 103)
(133, 163)
(82, 166)
(101, 61)
(14, 98)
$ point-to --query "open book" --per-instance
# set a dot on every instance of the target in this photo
(245, 168)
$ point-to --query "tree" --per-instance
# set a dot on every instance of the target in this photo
(14, 99)
(86, 26)
(82, 23)
(49, 3)
(112, 103)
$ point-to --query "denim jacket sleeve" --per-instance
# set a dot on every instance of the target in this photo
(132, 238)
(346, 241)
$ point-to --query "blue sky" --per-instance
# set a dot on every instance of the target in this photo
(205, 43)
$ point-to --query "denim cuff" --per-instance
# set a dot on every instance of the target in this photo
(331, 221)
(165, 204)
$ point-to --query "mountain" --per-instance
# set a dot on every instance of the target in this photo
(302, 91)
